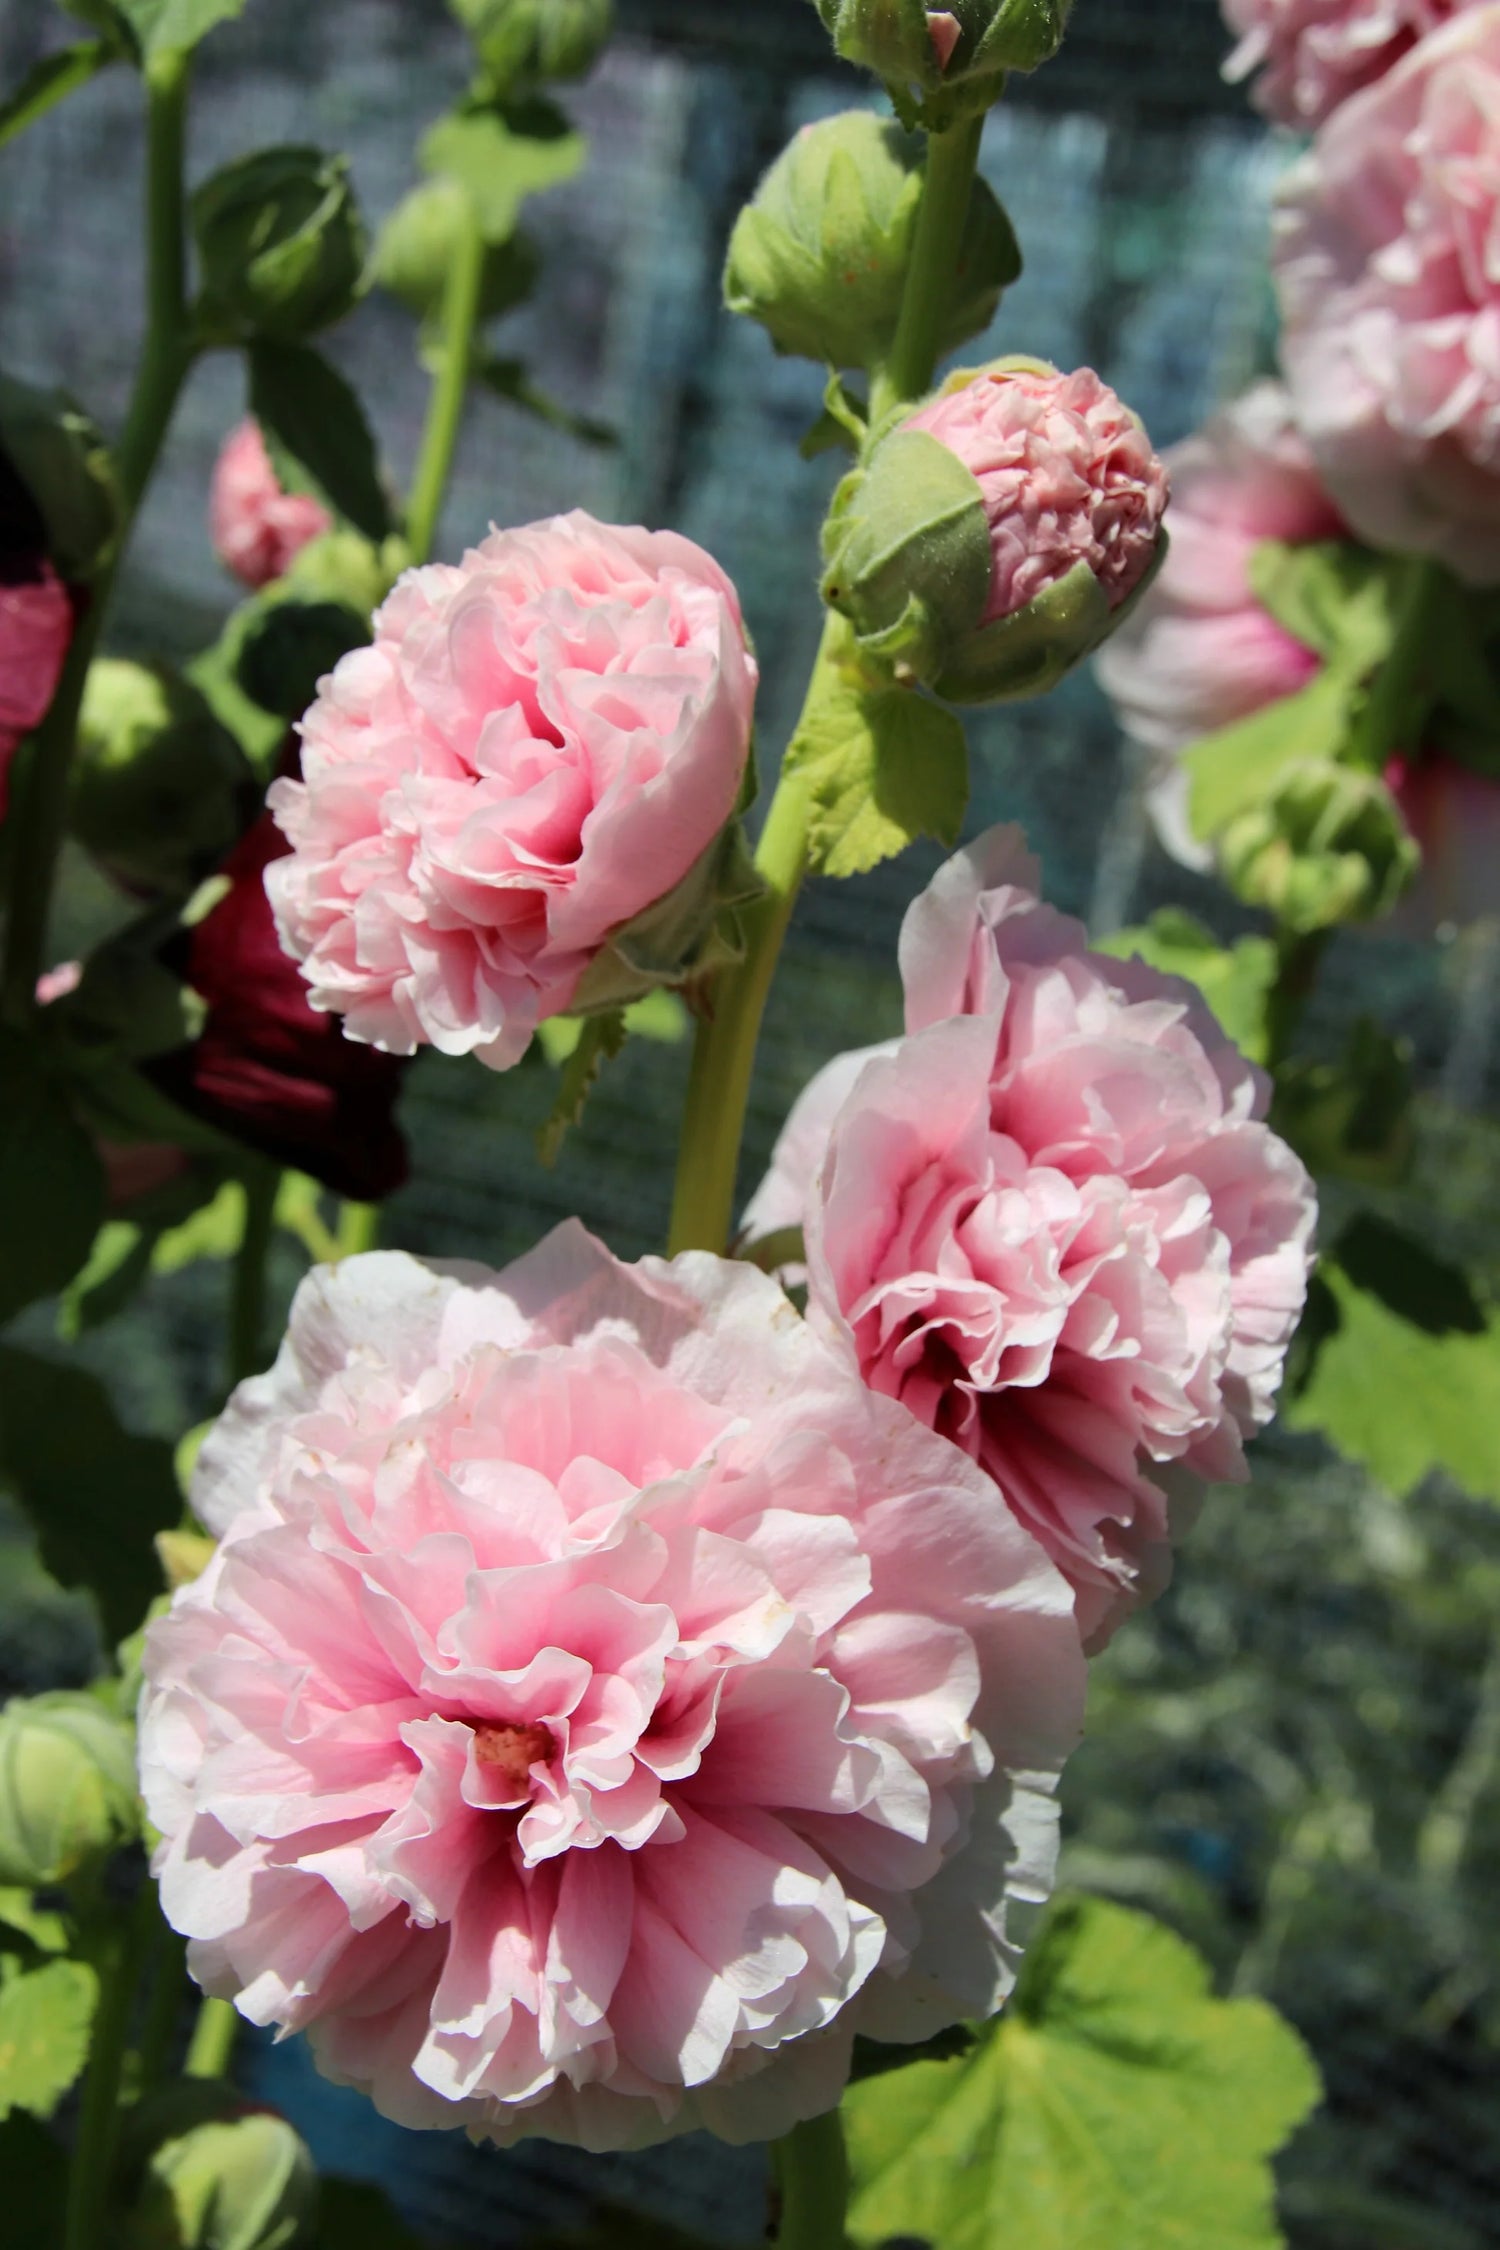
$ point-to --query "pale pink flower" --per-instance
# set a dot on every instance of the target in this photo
(258, 529)
(600, 1705)
(543, 742)
(1067, 473)
(1390, 287)
(1052, 1222)
(1313, 54)
(1454, 814)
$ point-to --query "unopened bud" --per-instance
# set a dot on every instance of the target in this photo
(945, 63)
(522, 44)
(160, 790)
(206, 2171)
(998, 536)
(64, 466)
(820, 254)
(416, 245)
(1330, 846)
(281, 244)
(67, 1787)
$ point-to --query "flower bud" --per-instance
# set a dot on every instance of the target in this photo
(523, 43)
(996, 537)
(1330, 846)
(210, 2172)
(64, 466)
(820, 254)
(415, 248)
(160, 789)
(67, 1787)
(941, 64)
(281, 244)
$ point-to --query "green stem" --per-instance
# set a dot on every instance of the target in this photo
(450, 387)
(359, 1229)
(168, 1989)
(1395, 706)
(1298, 962)
(211, 2048)
(117, 1960)
(1443, 1840)
(41, 811)
(812, 2172)
(247, 1303)
(952, 159)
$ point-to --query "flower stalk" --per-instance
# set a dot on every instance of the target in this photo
(459, 322)
(812, 2175)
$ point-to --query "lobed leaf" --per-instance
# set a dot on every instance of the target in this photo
(45, 2016)
(51, 81)
(316, 432)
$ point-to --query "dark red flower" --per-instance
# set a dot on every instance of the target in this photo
(37, 617)
(267, 1067)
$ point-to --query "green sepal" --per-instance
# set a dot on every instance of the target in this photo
(907, 550)
(894, 39)
(600, 1039)
(65, 465)
(281, 245)
(692, 931)
(203, 2169)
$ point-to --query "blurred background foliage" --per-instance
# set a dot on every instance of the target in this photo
(1296, 1757)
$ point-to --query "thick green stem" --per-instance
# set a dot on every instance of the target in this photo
(211, 2048)
(41, 812)
(247, 1303)
(460, 319)
(167, 1969)
(812, 2172)
(117, 1961)
(1298, 962)
(359, 1229)
(1395, 707)
(952, 158)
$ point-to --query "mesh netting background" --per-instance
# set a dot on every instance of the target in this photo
(1272, 1748)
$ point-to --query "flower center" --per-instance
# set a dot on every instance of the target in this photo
(512, 1751)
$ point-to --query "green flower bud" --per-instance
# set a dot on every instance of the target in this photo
(67, 1788)
(205, 2171)
(415, 249)
(523, 43)
(944, 63)
(65, 465)
(1329, 847)
(160, 790)
(956, 560)
(281, 244)
(820, 254)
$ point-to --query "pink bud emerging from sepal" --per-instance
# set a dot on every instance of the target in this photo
(257, 527)
(946, 32)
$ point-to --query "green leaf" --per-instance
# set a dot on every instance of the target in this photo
(163, 24)
(602, 1037)
(1116, 2105)
(500, 156)
(511, 379)
(1234, 980)
(1401, 1371)
(45, 2016)
(884, 766)
(316, 432)
(95, 1492)
(660, 1016)
(40, 1926)
(117, 1265)
(51, 81)
(1239, 766)
(51, 1179)
(1339, 600)
(1352, 1118)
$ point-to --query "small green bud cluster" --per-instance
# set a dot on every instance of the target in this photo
(524, 44)
(207, 2171)
(943, 64)
(67, 1788)
(1329, 846)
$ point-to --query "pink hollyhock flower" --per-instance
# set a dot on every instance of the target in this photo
(1313, 54)
(542, 743)
(1390, 289)
(1454, 814)
(36, 629)
(1052, 1222)
(1067, 473)
(258, 529)
(600, 1705)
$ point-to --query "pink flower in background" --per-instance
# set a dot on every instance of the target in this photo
(1454, 813)
(1067, 473)
(600, 1704)
(36, 630)
(1390, 289)
(1307, 56)
(258, 529)
(541, 743)
(1200, 652)
(1052, 1222)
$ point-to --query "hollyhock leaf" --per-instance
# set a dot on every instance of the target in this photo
(500, 156)
(316, 431)
(1116, 2105)
(1235, 980)
(51, 81)
(51, 1180)
(45, 2016)
(1238, 767)
(95, 1492)
(117, 1265)
(884, 766)
(160, 25)
(1403, 1369)
(601, 1038)
(288, 648)
(1334, 597)
(512, 379)
(1353, 1117)
(39, 1926)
